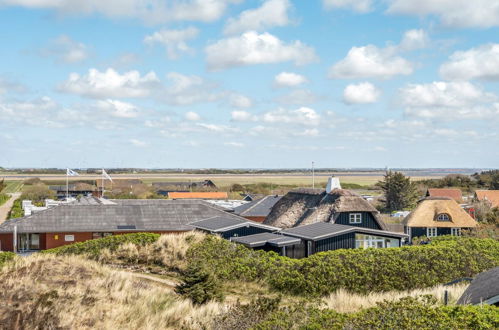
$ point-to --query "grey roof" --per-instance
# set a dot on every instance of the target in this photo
(321, 230)
(483, 289)
(258, 208)
(262, 239)
(223, 223)
(127, 215)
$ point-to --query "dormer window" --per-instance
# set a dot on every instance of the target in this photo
(355, 218)
(443, 217)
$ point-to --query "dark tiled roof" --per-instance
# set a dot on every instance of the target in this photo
(262, 239)
(142, 215)
(258, 208)
(222, 223)
(484, 287)
(322, 230)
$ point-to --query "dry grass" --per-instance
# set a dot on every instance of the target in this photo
(169, 251)
(346, 302)
(49, 292)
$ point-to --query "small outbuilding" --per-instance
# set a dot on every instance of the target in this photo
(281, 244)
(484, 289)
(231, 226)
(437, 216)
(324, 236)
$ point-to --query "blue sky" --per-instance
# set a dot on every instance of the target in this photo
(255, 83)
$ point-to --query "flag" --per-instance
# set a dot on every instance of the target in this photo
(105, 175)
(70, 172)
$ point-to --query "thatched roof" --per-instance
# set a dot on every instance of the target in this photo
(425, 214)
(306, 206)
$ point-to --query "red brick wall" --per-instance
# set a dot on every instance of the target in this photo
(53, 240)
(6, 242)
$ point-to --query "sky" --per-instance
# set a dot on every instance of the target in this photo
(249, 83)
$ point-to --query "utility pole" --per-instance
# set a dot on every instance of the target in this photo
(313, 176)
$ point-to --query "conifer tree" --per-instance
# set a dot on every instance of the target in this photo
(199, 285)
(399, 192)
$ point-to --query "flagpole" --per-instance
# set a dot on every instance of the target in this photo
(67, 184)
(102, 194)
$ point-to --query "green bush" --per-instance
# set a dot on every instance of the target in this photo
(406, 313)
(199, 285)
(6, 256)
(17, 210)
(95, 246)
(356, 270)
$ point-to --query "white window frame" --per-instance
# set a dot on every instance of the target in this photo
(443, 215)
(455, 231)
(431, 232)
(355, 218)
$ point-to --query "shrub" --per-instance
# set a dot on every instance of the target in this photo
(3, 198)
(406, 313)
(356, 270)
(16, 211)
(6, 256)
(94, 247)
(199, 285)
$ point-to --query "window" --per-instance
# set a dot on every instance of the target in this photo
(443, 217)
(69, 238)
(100, 235)
(377, 242)
(431, 232)
(455, 231)
(355, 218)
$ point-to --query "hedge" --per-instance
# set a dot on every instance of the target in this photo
(406, 313)
(357, 270)
(95, 246)
(6, 256)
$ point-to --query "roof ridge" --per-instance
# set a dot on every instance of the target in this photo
(257, 202)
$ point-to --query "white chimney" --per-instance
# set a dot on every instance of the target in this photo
(333, 183)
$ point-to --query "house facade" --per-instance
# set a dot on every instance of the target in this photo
(437, 216)
(91, 218)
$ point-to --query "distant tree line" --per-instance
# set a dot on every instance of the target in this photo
(483, 180)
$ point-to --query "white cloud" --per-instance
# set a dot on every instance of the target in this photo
(66, 50)
(186, 90)
(253, 48)
(301, 116)
(118, 108)
(453, 13)
(373, 62)
(217, 128)
(138, 143)
(360, 6)
(9, 85)
(240, 101)
(476, 63)
(242, 116)
(192, 116)
(289, 79)
(362, 93)
(414, 39)
(149, 11)
(311, 132)
(159, 122)
(370, 62)
(234, 144)
(175, 41)
(449, 101)
(444, 94)
(110, 83)
(271, 13)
